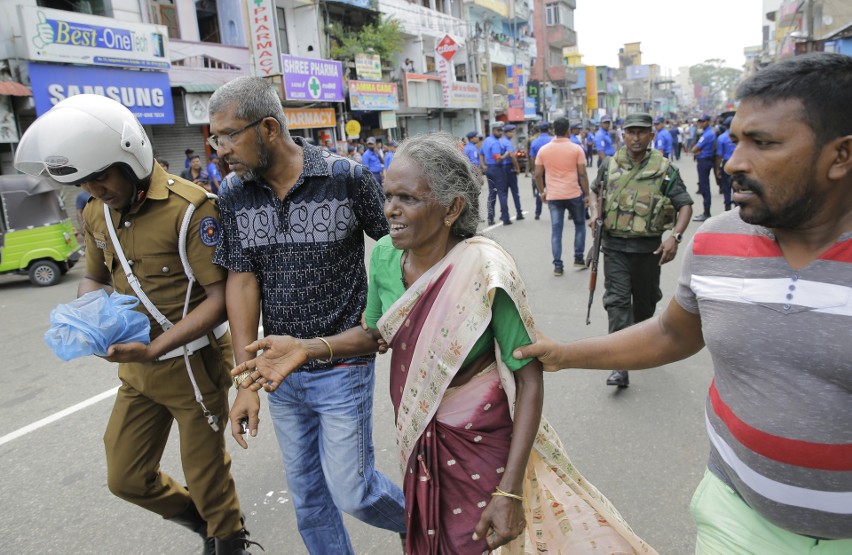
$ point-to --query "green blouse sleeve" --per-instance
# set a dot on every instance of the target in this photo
(385, 280)
(508, 329)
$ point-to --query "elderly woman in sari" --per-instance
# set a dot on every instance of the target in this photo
(479, 464)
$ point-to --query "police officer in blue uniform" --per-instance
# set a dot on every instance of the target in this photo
(704, 151)
(491, 156)
(512, 168)
(371, 159)
(663, 139)
(603, 142)
(543, 138)
(724, 150)
(471, 150)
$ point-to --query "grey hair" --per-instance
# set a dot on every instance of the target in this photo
(253, 97)
(449, 174)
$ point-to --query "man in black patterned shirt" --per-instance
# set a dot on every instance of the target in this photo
(293, 221)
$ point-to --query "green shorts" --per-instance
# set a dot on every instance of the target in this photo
(727, 526)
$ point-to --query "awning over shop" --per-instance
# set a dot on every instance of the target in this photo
(199, 87)
(11, 88)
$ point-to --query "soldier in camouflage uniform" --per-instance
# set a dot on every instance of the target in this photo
(643, 196)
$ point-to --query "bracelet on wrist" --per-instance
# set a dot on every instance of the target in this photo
(500, 493)
(240, 378)
(330, 352)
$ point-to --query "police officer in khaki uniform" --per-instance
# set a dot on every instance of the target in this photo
(133, 228)
(643, 196)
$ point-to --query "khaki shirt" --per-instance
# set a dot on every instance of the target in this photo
(149, 237)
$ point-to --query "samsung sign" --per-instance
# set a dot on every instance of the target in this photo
(145, 93)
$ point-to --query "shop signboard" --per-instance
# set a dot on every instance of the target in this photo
(75, 38)
(263, 37)
(312, 79)
(310, 118)
(373, 95)
(145, 93)
(517, 91)
(368, 67)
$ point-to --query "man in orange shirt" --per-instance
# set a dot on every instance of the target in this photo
(567, 189)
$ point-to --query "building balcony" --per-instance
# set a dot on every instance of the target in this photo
(205, 62)
(522, 11)
(561, 36)
(504, 55)
(562, 75)
(417, 21)
(500, 102)
(496, 7)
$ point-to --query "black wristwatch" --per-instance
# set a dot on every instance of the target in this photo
(678, 237)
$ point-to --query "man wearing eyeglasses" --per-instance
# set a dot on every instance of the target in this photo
(293, 223)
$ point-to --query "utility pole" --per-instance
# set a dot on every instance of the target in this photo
(488, 74)
(809, 21)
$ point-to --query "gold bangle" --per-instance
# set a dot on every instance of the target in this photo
(330, 352)
(240, 378)
(501, 493)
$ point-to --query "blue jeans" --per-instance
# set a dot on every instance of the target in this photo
(577, 210)
(324, 424)
(537, 199)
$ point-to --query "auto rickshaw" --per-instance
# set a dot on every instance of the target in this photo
(37, 238)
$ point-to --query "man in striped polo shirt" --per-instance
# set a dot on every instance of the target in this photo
(767, 287)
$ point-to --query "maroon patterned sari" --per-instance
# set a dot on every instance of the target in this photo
(454, 441)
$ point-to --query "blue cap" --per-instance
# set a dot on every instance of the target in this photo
(471, 135)
(705, 117)
(728, 120)
(508, 127)
(606, 119)
(544, 125)
(660, 119)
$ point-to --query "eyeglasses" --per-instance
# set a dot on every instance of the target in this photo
(218, 142)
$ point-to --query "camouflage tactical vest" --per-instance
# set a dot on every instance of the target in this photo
(636, 202)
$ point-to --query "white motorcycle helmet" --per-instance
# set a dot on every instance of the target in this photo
(83, 136)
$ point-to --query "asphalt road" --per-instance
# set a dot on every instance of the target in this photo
(644, 447)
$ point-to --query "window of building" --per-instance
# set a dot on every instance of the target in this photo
(208, 20)
(283, 45)
(94, 7)
(551, 13)
(164, 12)
(556, 58)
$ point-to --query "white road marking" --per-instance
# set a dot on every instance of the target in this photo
(496, 225)
(70, 410)
(57, 416)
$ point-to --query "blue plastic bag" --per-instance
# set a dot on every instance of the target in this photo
(93, 322)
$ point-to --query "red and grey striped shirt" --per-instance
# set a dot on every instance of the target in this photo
(779, 410)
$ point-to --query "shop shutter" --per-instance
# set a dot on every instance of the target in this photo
(170, 141)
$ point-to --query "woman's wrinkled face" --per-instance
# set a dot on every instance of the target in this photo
(415, 218)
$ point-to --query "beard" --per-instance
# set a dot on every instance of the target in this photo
(253, 173)
(791, 215)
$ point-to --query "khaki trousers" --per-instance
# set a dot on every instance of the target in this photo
(151, 397)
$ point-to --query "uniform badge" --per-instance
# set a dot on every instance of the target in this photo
(210, 231)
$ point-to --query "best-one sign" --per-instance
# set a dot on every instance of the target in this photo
(68, 37)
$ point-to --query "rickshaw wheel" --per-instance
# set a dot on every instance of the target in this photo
(44, 273)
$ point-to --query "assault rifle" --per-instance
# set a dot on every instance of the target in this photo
(595, 253)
